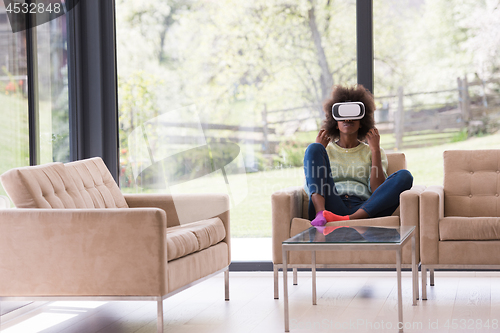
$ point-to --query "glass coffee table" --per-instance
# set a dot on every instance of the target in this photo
(352, 238)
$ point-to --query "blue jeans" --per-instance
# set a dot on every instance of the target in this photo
(383, 202)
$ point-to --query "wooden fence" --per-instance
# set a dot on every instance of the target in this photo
(254, 135)
(415, 119)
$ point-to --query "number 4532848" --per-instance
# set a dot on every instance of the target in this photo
(33, 8)
(471, 324)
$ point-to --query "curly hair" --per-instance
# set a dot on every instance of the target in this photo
(356, 93)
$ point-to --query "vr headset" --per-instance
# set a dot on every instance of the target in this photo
(348, 111)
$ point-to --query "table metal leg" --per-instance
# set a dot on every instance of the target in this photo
(424, 282)
(313, 268)
(400, 300)
(285, 290)
(276, 290)
(226, 284)
(414, 271)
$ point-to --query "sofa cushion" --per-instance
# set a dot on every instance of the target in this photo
(192, 237)
(188, 269)
(42, 186)
(95, 184)
(80, 184)
(469, 228)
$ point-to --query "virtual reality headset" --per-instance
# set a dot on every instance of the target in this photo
(348, 111)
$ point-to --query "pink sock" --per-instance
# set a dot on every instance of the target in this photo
(319, 220)
(330, 217)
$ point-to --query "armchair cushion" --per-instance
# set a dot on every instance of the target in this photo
(469, 228)
(196, 236)
(472, 183)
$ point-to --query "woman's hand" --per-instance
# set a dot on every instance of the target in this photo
(323, 138)
(373, 139)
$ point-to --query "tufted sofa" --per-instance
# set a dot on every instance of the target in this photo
(460, 221)
(74, 235)
(289, 217)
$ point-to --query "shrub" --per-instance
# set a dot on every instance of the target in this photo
(292, 153)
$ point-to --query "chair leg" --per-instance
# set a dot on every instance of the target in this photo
(295, 277)
(431, 271)
(276, 291)
(159, 320)
(226, 284)
(424, 283)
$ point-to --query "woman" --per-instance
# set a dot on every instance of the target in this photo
(346, 178)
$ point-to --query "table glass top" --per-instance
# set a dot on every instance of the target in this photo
(354, 234)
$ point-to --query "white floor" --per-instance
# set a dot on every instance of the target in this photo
(347, 302)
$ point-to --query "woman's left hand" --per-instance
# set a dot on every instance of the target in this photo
(373, 139)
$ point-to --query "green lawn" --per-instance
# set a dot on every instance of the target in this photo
(426, 164)
(14, 133)
(14, 143)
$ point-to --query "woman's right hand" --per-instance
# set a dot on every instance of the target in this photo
(323, 138)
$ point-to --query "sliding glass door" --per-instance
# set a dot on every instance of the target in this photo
(224, 96)
(14, 139)
(33, 99)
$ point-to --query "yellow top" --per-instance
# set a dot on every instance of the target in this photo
(351, 168)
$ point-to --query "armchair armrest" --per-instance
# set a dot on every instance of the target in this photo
(286, 204)
(431, 211)
(83, 252)
(409, 215)
(410, 203)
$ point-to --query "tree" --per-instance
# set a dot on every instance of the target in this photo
(484, 38)
(154, 19)
(260, 50)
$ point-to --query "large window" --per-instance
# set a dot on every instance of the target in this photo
(437, 77)
(52, 46)
(14, 140)
(45, 48)
(225, 96)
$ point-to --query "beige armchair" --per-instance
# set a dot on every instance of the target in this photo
(460, 221)
(75, 236)
(289, 217)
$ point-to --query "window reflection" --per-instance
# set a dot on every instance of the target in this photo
(14, 142)
(52, 41)
(199, 78)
